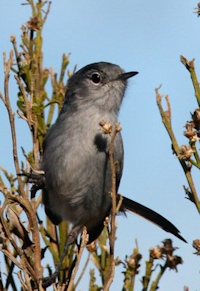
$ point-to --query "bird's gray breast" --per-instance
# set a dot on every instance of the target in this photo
(77, 167)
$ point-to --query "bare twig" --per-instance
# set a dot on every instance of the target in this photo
(85, 238)
(27, 103)
(31, 213)
(190, 66)
(166, 119)
(115, 130)
(7, 68)
(10, 281)
(82, 272)
(12, 258)
(47, 12)
(26, 264)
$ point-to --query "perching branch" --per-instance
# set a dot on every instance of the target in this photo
(114, 130)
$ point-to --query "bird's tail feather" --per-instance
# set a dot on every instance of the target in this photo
(151, 215)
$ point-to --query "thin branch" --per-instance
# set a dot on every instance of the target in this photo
(82, 272)
(155, 283)
(85, 238)
(26, 102)
(7, 68)
(166, 119)
(26, 265)
(10, 265)
(31, 213)
(115, 130)
(47, 12)
(191, 68)
(12, 258)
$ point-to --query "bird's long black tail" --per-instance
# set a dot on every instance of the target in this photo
(151, 215)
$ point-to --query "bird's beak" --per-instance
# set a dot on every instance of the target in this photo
(127, 75)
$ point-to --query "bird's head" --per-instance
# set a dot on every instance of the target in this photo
(100, 84)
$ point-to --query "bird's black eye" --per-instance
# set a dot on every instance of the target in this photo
(96, 78)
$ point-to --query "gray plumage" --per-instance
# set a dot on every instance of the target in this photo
(76, 160)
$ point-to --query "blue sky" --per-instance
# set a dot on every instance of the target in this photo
(148, 37)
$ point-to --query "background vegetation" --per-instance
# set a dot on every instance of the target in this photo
(31, 246)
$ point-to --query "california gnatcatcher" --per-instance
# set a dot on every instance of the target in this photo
(76, 159)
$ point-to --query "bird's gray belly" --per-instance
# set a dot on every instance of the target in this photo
(77, 171)
(78, 189)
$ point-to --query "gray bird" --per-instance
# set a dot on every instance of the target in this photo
(76, 158)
